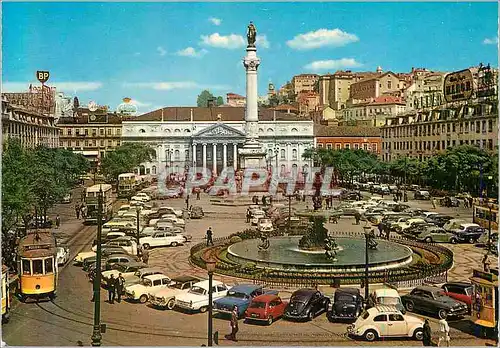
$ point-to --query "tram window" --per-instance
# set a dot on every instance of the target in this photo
(37, 267)
(48, 266)
(26, 267)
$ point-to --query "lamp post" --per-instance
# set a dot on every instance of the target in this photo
(405, 197)
(276, 153)
(490, 205)
(211, 263)
(137, 211)
(488, 187)
(367, 230)
(96, 333)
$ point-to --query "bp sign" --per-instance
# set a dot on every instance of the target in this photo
(458, 86)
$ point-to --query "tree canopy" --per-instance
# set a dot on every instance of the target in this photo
(124, 159)
(205, 96)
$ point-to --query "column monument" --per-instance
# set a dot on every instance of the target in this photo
(252, 154)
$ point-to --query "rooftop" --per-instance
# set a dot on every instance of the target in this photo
(346, 131)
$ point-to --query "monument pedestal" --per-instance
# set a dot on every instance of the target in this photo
(252, 155)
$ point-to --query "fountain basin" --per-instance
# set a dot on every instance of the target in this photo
(284, 254)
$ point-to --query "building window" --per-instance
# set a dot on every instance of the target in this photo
(365, 146)
(142, 131)
(177, 155)
(110, 143)
(478, 127)
(118, 131)
(448, 128)
(490, 144)
(118, 143)
(69, 131)
(490, 126)
(283, 154)
(270, 152)
(153, 170)
(186, 154)
(483, 129)
(356, 146)
(86, 131)
(77, 131)
(102, 142)
(86, 143)
(320, 145)
(94, 132)
(294, 154)
(454, 127)
(77, 143)
(101, 132)
(374, 147)
(109, 131)
(329, 146)
(389, 84)
(347, 146)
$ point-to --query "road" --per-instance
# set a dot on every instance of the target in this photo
(69, 319)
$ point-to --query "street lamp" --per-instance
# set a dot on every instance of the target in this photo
(137, 211)
(367, 228)
(276, 153)
(488, 187)
(96, 333)
(490, 205)
(210, 263)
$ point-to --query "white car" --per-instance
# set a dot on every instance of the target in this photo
(258, 214)
(128, 244)
(149, 285)
(62, 255)
(140, 274)
(127, 270)
(174, 220)
(403, 225)
(389, 297)
(123, 209)
(386, 321)
(141, 197)
(196, 299)
(169, 210)
(265, 225)
(78, 260)
(165, 298)
(160, 239)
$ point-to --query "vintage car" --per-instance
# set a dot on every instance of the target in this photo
(108, 261)
(196, 212)
(128, 244)
(140, 274)
(127, 270)
(347, 305)
(459, 291)
(149, 285)
(67, 198)
(62, 255)
(165, 298)
(388, 297)
(257, 215)
(468, 232)
(386, 321)
(306, 304)
(80, 257)
(265, 225)
(239, 295)
(267, 307)
(124, 208)
(439, 220)
(422, 195)
(141, 197)
(196, 299)
(437, 235)
(431, 299)
(162, 238)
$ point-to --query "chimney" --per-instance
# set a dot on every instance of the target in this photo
(211, 102)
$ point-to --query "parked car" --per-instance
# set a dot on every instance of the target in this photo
(149, 285)
(265, 225)
(267, 307)
(124, 208)
(431, 299)
(450, 202)
(257, 214)
(403, 225)
(80, 257)
(196, 299)
(459, 291)
(386, 321)
(306, 304)
(162, 238)
(469, 232)
(140, 274)
(165, 298)
(437, 235)
(439, 220)
(239, 295)
(108, 261)
(453, 224)
(422, 195)
(62, 255)
(127, 243)
(196, 212)
(67, 198)
(127, 270)
(387, 297)
(347, 304)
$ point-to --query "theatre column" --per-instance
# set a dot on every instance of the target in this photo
(194, 155)
(224, 154)
(235, 156)
(204, 155)
(214, 157)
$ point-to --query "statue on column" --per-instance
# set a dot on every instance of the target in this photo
(331, 248)
(264, 241)
(251, 35)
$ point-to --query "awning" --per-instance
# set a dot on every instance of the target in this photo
(88, 153)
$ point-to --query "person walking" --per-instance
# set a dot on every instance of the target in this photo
(198, 194)
(234, 325)
(77, 211)
(111, 283)
(145, 256)
(58, 221)
(444, 332)
(380, 229)
(120, 284)
(357, 216)
(433, 203)
(210, 236)
(249, 215)
(427, 334)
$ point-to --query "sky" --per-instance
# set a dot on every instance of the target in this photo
(165, 54)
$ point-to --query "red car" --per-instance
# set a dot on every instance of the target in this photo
(267, 307)
(459, 291)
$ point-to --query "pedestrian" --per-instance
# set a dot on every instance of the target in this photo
(433, 203)
(427, 334)
(380, 229)
(58, 221)
(444, 332)
(357, 216)
(249, 215)
(234, 325)
(111, 283)
(187, 201)
(264, 201)
(209, 236)
(198, 194)
(77, 211)
(387, 231)
(84, 212)
(466, 203)
(120, 284)
(145, 256)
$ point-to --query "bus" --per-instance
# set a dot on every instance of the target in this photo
(37, 266)
(126, 185)
(481, 215)
(484, 309)
(5, 294)
(91, 201)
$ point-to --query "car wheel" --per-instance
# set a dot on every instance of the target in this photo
(146, 246)
(203, 309)
(472, 240)
(270, 320)
(310, 316)
(171, 303)
(370, 335)
(174, 244)
(418, 334)
(442, 314)
(428, 240)
(409, 306)
(143, 299)
(453, 241)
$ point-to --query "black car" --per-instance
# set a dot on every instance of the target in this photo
(431, 299)
(450, 202)
(306, 304)
(347, 305)
(469, 233)
(414, 231)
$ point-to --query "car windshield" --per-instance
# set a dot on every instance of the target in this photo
(258, 305)
(390, 301)
(236, 294)
(345, 298)
(197, 290)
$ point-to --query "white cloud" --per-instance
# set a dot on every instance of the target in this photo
(231, 41)
(167, 86)
(60, 86)
(215, 21)
(191, 52)
(321, 38)
(343, 63)
(262, 41)
(161, 50)
(491, 41)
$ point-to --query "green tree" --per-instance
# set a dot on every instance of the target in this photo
(125, 159)
(203, 98)
(220, 101)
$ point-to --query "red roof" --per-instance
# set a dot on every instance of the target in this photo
(387, 99)
(234, 95)
(285, 107)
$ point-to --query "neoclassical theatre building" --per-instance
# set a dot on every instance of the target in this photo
(210, 137)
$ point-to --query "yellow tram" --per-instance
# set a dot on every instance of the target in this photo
(5, 294)
(37, 266)
(485, 299)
